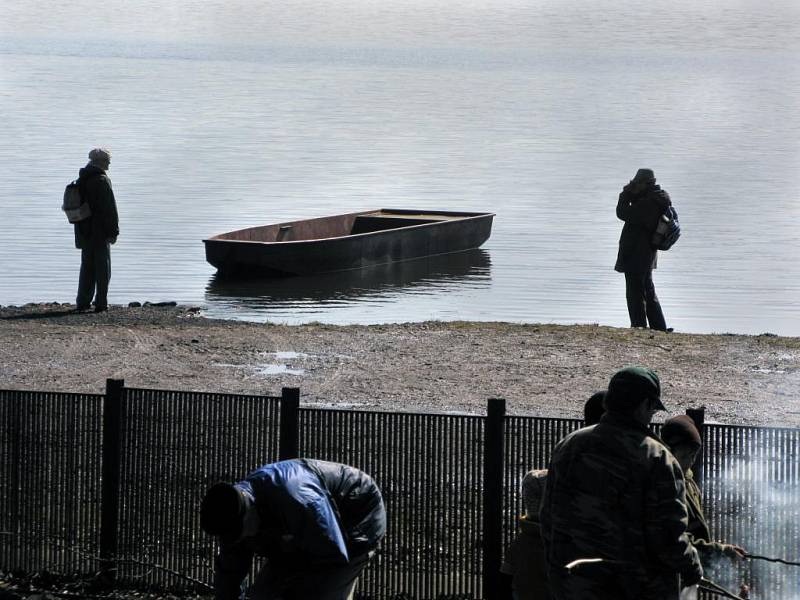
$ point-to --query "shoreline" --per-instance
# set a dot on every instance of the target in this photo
(435, 366)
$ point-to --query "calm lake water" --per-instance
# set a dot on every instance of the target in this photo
(227, 114)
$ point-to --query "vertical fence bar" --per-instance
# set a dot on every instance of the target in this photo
(288, 442)
(493, 497)
(16, 490)
(698, 415)
(109, 495)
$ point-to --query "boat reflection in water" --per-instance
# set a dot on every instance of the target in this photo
(413, 290)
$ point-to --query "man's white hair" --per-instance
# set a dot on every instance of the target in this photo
(99, 155)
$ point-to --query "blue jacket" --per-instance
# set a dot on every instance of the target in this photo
(311, 512)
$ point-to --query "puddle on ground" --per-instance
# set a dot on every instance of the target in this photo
(277, 370)
(266, 370)
(281, 368)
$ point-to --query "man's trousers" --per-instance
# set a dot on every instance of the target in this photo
(305, 583)
(643, 305)
(95, 276)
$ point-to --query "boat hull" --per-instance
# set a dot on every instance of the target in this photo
(455, 232)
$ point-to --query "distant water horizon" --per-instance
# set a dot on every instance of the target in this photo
(229, 115)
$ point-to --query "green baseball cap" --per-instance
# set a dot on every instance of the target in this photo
(629, 386)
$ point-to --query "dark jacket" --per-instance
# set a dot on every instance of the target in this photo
(641, 213)
(524, 561)
(95, 188)
(312, 513)
(615, 492)
(699, 534)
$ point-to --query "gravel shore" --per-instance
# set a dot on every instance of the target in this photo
(546, 370)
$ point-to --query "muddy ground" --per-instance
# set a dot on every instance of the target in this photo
(546, 370)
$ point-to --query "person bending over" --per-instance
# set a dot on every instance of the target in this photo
(318, 524)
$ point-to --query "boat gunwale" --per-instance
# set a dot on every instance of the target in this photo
(468, 216)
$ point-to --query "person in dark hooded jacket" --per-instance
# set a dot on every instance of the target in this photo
(641, 204)
(318, 523)
(682, 437)
(95, 235)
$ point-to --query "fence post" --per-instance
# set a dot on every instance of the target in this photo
(109, 492)
(288, 442)
(493, 497)
(698, 415)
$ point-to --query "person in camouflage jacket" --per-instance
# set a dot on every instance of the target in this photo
(681, 436)
(614, 492)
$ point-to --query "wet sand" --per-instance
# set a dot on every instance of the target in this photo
(546, 370)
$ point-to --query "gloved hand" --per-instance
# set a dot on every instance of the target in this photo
(733, 551)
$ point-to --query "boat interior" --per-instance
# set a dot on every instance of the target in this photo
(341, 225)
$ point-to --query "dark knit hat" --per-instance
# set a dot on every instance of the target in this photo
(644, 176)
(594, 409)
(222, 511)
(630, 386)
(681, 430)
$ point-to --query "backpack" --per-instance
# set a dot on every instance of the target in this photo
(667, 231)
(74, 206)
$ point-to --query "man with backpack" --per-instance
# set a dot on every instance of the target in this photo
(643, 205)
(95, 234)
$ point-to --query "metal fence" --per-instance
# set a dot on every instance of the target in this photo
(430, 473)
(751, 488)
(120, 476)
(173, 445)
(529, 441)
(50, 462)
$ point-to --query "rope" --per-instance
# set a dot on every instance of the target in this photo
(774, 560)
